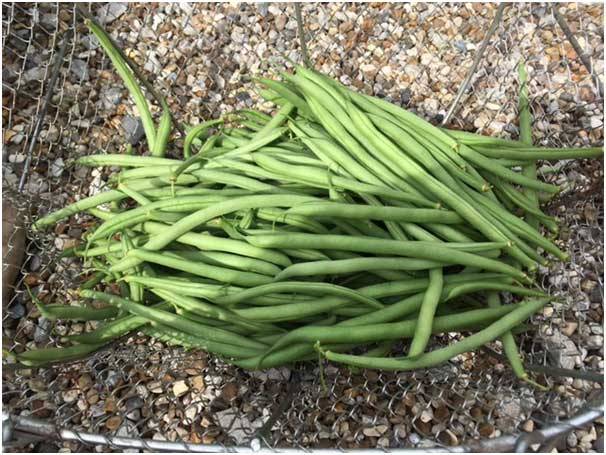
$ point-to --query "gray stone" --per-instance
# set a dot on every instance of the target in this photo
(57, 167)
(33, 74)
(561, 349)
(263, 8)
(111, 97)
(460, 45)
(42, 330)
(111, 11)
(79, 68)
(133, 127)
(134, 403)
(16, 311)
(90, 41)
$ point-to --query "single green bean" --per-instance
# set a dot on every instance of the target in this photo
(385, 213)
(299, 287)
(422, 250)
(507, 322)
(221, 274)
(39, 357)
(125, 161)
(361, 264)
(128, 78)
(426, 314)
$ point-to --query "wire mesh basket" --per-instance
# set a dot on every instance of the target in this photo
(62, 99)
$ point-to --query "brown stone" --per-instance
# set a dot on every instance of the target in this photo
(113, 423)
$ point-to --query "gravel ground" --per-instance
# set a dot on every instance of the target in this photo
(203, 56)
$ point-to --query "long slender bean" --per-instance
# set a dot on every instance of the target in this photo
(361, 264)
(420, 250)
(436, 357)
(303, 287)
(427, 312)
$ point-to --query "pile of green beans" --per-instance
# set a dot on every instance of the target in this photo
(338, 224)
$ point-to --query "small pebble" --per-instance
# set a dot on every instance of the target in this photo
(180, 388)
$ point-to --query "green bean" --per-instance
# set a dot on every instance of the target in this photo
(282, 216)
(529, 153)
(385, 213)
(136, 291)
(221, 314)
(422, 250)
(233, 179)
(307, 254)
(162, 193)
(451, 290)
(193, 160)
(361, 264)
(285, 92)
(110, 247)
(142, 213)
(112, 330)
(221, 274)
(232, 261)
(271, 96)
(427, 312)
(128, 78)
(125, 161)
(134, 195)
(248, 169)
(388, 331)
(212, 292)
(94, 280)
(349, 139)
(302, 287)
(195, 219)
(158, 148)
(276, 121)
(472, 139)
(256, 143)
(163, 171)
(509, 345)
(519, 227)
(256, 116)
(250, 124)
(288, 156)
(211, 334)
(193, 134)
(40, 357)
(207, 242)
(75, 313)
(175, 337)
(524, 203)
(393, 311)
(337, 155)
(530, 169)
(439, 356)
(209, 321)
(313, 176)
(91, 202)
(448, 233)
(407, 143)
(434, 186)
(491, 166)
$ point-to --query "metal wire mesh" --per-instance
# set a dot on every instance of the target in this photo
(200, 56)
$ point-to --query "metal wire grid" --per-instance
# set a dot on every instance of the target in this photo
(471, 399)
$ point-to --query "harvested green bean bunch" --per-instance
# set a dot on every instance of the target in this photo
(337, 224)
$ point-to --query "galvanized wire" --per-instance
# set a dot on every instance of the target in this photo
(133, 389)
